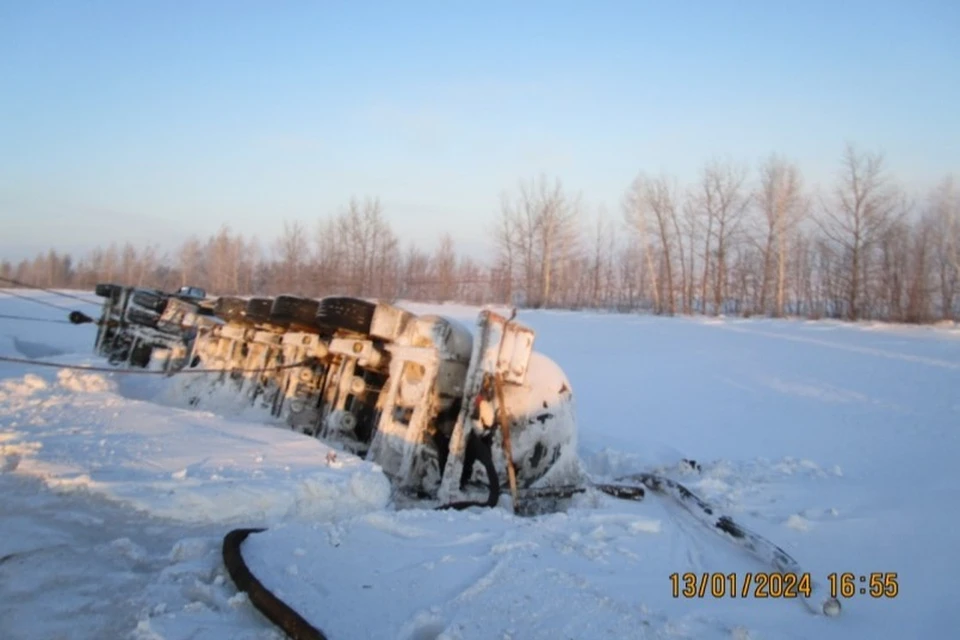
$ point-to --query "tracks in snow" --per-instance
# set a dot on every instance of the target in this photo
(870, 351)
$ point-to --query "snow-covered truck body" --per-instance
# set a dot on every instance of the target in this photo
(138, 326)
(419, 395)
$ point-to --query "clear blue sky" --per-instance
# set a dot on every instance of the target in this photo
(147, 121)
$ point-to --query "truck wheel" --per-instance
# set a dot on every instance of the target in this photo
(294, 310)
(152, 300)
(143, 318)
(230, 309)
(140, 356)
(348, 314)
(107, 290)
(258, 309)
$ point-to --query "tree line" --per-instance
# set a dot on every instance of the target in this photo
(732, 241)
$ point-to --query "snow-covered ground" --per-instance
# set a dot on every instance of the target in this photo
(837, 442)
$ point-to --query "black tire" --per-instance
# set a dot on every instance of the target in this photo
(152, 300)
(294, 310)
(343, 313)
(230, 309)
(140, 355)
(204, 308)
(142, 317)
(107, 290)
(258, 309)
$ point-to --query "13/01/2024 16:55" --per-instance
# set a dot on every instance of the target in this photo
(776, 585)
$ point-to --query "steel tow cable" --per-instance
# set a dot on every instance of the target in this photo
(81, 367)
(5, 316)
(9, 292)
(62, 294)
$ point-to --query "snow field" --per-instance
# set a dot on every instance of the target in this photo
(837, 442)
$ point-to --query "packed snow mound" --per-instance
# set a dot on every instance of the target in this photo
(80, 434)
(19, 389)
(80, 382)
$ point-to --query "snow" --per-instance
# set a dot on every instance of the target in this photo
(174, 463)
(836, 441)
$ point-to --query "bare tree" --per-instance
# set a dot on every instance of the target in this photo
(782, 205)
(416, 274)
(506, 241)
(128, 263)
(248, 255)
(682, 251)
(293, 251)
(637, 216)
(329, 258)
(190, 258)
(542, 223)
(692, 225)
(723, 199)
(472, 283)
(222, 256)
(556, 233)
(517, 232)
(893, 271)
(445, 268)
(944, 216)
(600, 265)
(111, 263)
(864, 207)
(371, 249)
(918, 285)
(147, 266)
(632, 275)
(650, 208)
(802, 267)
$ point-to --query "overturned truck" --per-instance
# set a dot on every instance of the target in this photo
(446, 412)
(420, 395)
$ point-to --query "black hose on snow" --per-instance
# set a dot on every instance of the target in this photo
(281, 614)
(276, 610)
